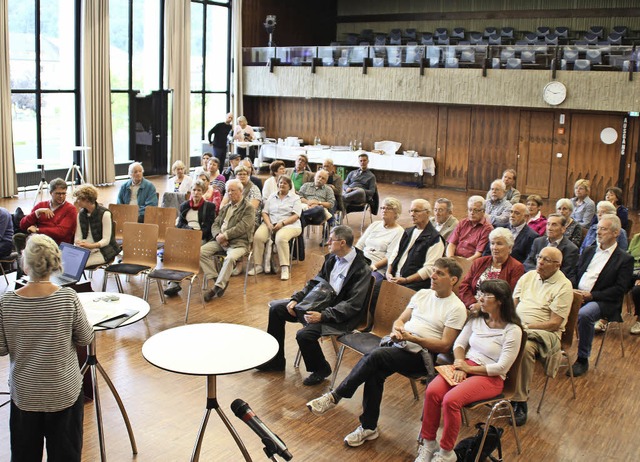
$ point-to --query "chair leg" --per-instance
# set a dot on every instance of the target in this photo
(296, 363)
(119, 283)
(414, 388)
(4, 274)
(104, 281)
(544, 391)
(186, 313)
(336, 367)
(160, 291)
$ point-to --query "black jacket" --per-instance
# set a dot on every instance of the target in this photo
(206, 216)
(417, 253)
(569, 251)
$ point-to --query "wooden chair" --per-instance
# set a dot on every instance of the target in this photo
(466, 266)
(181, 261)
(139, 247)
(499, 404)
(392, 301)
(566, 341)
(121, 214)
(164, 217)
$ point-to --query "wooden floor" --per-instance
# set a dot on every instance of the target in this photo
(166, 408)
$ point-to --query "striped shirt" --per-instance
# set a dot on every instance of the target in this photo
(40, 335)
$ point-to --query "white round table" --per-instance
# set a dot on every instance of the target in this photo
(211, 350)
(95, 302)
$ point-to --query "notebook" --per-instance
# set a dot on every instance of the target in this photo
(74, 260)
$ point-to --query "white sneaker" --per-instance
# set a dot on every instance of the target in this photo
(359, 436)
(257, 269)
(635, 329)
(600, 326)
(321, 405)
(284, 273)
(426, 450)
(444, 456)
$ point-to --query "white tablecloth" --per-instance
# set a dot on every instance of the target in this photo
(415, 165)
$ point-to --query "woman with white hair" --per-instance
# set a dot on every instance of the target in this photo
(565, 207)
(381, 236)
(181, 182)
(137, 190)
(499, 265)
(40, 326)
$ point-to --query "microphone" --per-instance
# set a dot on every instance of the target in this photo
(273, 444)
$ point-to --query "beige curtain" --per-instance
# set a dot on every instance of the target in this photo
(98, 135)
(236, 54)
(178, 52)
(8, 179)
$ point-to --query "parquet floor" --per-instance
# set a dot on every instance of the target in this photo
(166, 408)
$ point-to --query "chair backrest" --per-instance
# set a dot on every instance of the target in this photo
(594, 56)
(381, 40)
(466, 266)
(562, 31)
(507, 32)
(440, 32)
(490, 31)
(468, 56)
(182, 250)
(451, 63)
(443, 40)
(495, 39)
(570, 55)
(411, 33)
(426, 38)
(512, 375)
(475, 38)
(506, 54)
(614, 38)
(551, 39)
(590, 38)
(528, 56)
(392, 301)
(161, 216)
(543, 31)
(622, 30)
(314, 265)
(457, 32)
(530, 38)
(140, 244)
(582, 65)
(572, 321)
(121, 214)
(514, 63)
(596, 30)
(378, 62)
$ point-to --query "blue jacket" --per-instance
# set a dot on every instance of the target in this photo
(146, 195)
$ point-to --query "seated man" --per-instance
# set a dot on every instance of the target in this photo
(603, 208)
(543, 300)
(232, 232)
(497, 206)
(556, 226)
(433, 319)
(604, 276)
(334, 182)
(347, 271)
(299, 174)
(360, 185)
(443, 220)
(229, 172)
(319, 199)
(138, 191)
(419, 247)
(523, 234)
(471, 235)
(510, 193)
(56, 218)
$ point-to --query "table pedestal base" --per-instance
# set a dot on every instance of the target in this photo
(212, 403)
(93, 364)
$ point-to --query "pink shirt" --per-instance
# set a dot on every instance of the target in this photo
(470, 238)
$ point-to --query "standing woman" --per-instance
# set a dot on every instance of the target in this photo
(537, 221)
(614, 195)
(40, 326)
(484, 352)
(583, 207)
(95, 230)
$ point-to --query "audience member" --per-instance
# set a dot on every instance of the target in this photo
(634, 250)
(299, 174)
(583, 207)
(218, 138)
(181, 182)
(229, 172)
(537, 221)
(484, 352)
(243, 132)
(334, 182)
(360, 185)
(211, 194)
(254, 179)
(543, 299)
(498, 207)
(603, 208)
(574, 229)
(500, 265)
(616, 197)
(95, 230)
(138, 191)
(276, 168)
(381, 237)
(604, 275)
(510, 193)
(6, 233)
(347, 272)
(443, 220)
(555, 237)
(231, 233)
(217, 179)
(250, 192)
(523, 235)
(55, 218)
(280, 224)
(470, 237)
(318, 200)
(41, 325)
(428, 326)
(411, 261)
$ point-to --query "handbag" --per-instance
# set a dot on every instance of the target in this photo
(318, 298)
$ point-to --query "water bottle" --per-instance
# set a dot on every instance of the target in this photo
(359, 145)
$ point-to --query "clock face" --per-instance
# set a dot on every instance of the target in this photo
(554, 93)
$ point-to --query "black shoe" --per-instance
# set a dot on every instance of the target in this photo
(219, 291)
(318, 376)
(210, 295)
(580, 367)
(274, 365)
(173, 290)
(520, 413)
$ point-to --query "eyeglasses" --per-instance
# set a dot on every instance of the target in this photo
(475, 210)
(546, 259)
(480, 295)
(417, 210)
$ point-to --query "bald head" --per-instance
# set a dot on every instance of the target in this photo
(549, 262)
(519, 215)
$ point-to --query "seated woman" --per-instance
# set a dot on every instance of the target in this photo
(211, 194)
(41, 326)
(381, 236)
(500, 265)
(583, 206)
(181, 182)
(615, 196)
(95, 230)
(217, 178)
(537, 221)
(280, 219)
(276, 168)
(484, 352)
(138, 190)
(574, 229)
(250, 191)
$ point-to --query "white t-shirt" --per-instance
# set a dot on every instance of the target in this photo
(430, 314)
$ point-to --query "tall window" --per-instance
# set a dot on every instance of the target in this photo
(210, 57)
(44, 73)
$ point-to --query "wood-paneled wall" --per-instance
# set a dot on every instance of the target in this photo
(471, 145)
